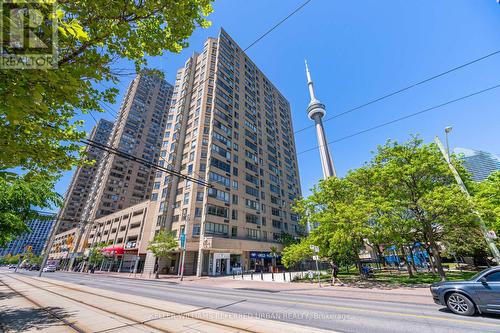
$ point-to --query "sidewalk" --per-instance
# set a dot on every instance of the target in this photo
(410, 295)
(17, 314)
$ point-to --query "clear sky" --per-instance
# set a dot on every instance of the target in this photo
(358, 51)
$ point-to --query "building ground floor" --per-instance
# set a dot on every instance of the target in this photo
(221, 256)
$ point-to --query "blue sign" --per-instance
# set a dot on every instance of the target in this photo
(262, 255)
(183, 240)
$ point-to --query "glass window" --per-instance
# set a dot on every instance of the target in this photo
(493, 277)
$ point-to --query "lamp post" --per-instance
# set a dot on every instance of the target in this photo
(447, 130)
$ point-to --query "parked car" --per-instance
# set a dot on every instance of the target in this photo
(481, 293)
(12, 266)
(49, 268)
(35, 267)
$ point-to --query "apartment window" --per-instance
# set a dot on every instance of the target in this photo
(250, 218)
(235, 199)
(216, 229)
(234, 214)
(252, 191)
(217, 211)
(212, 176)
(253, 234)
(252, 204)
(199, 196)
(234, 232)
(197, 212)
(218, 194)
(196, 229)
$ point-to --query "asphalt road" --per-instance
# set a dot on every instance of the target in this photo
(338, 314)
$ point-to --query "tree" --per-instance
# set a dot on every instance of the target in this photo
(405, 194)
(163, 245)
(38, 129)
(95, 255)
(19, 195)
(37, 126)
(295, 253)
(486, 196)
(416, 183)
(342, 214)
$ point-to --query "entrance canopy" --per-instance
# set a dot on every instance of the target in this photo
(112, 249)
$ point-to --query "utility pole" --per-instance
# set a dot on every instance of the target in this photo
(183, 246)
(484, 230)
(50, 241)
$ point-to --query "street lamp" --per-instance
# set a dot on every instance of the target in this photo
(447, 130)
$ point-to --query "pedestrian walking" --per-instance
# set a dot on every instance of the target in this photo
(335, 273)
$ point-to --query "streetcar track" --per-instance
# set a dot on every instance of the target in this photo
(51, 313)
(137, 322)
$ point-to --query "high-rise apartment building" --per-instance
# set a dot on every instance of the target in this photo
(120, 182)
(83, 178)
(35, 238)
(480, 164)
(229, 125)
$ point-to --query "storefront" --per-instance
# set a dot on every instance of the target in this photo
(224, 263)
(260, 261)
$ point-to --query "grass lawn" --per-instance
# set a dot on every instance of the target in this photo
(420, 278)
(396, 278)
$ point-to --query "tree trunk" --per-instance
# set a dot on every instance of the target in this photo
(437, 256)
(380, 256)
(408, 265)
(431, 262)
(412, 262)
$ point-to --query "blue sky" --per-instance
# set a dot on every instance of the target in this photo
(361, 50)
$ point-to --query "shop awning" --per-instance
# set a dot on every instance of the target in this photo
(113, 249)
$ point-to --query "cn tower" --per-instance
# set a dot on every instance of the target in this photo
(316, 111)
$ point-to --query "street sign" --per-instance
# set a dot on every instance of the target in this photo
(314, 248)
(315, 257)
(492, 235)
(183, 240)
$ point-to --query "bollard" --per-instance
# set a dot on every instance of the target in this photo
(261, 276)
(272, 275)
(242, 274)
(290, 276)
(251, 275)
(233, 275)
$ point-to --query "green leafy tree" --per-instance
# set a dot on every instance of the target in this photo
(417, 186)
(342, 215)
(38, 108)
(295, 253)
(95, 255)
(163, 245)
(487, 200)
(18, 197)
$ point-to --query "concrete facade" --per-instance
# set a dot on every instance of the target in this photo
(230, 126)
(84, 176)
(121, 183)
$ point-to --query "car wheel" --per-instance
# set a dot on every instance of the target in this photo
(460, 304)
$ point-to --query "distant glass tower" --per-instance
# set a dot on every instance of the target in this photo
(36, 238)
(480, 164)
(316, 111)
